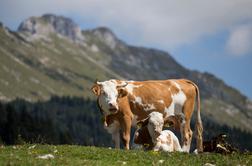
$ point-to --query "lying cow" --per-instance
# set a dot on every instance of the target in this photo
(219, 144)
(151, 135)
(126, 102)
(142, 135)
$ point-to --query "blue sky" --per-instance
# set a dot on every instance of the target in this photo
(209, 36)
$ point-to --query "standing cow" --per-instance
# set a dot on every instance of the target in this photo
(125, 102)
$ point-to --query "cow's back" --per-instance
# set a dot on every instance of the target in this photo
(156, 95)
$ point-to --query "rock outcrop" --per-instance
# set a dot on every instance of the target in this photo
(50, 23)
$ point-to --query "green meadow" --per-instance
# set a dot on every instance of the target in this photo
(35, 154)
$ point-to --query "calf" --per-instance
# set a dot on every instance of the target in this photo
(129, 101)
(151, 136)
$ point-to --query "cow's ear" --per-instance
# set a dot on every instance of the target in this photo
(96, 89)
(122, 92)
(169, 121)
(139, 124)
(143, 122)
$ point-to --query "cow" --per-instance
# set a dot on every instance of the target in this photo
(123, 103)
(218, 144)
(142, 135)
(152, 136)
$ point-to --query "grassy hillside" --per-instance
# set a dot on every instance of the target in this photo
(82, 155)
(39, 69)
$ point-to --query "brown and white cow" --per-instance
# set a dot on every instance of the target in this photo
(152, 129)
(125, 102)
(149, 129)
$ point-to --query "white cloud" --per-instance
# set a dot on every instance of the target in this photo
(239, 42)
(163, 23)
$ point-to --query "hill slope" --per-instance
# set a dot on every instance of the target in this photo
(51, 55)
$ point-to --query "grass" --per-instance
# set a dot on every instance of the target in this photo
(86, 155)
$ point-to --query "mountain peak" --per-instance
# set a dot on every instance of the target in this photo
(50, 23)
(107, 36)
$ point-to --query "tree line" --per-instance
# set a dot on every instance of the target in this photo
(75, 120)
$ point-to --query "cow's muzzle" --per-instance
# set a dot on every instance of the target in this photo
(113, 108)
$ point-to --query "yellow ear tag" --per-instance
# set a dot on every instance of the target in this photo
(146, 145)
(167, 125)
(139, 125)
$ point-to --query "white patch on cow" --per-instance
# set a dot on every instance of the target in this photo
(178, 100)
(130, 87)
(138, 100)
(146, 107)
(161, 101)
(170, 110)
(180, 97)
(149, 107)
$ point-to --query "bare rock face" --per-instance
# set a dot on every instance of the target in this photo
(49, 23)
(106, 36)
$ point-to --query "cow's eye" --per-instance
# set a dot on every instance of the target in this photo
(103, 93)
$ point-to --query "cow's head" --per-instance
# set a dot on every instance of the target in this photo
(154, 123)
(174, 120)
(109, 92)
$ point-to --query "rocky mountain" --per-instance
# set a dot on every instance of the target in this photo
(51, 55)
(49, 24)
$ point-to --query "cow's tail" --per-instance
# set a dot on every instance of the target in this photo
(198, 124)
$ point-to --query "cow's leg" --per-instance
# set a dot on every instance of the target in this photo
(114, 130)
(127, 120)
(185, 129)
(116, 139)
(186, 136)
